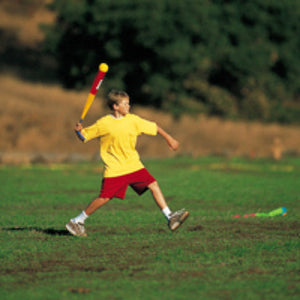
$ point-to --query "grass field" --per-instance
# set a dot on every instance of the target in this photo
(130, 253)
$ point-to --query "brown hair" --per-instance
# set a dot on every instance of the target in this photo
(115, 97)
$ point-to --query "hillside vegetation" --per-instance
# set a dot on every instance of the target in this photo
(38, 114)
(234, 59)
(39, 118)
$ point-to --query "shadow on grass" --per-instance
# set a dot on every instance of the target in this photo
(48, 231)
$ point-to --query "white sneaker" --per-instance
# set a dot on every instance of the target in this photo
(177, 218)
(76, 228)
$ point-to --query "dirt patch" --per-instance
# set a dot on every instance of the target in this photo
(196, 228)
(23, 19)
(79, 290)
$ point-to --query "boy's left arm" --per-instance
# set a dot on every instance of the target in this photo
(173, 144)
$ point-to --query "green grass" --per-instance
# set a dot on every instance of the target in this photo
(130, 253)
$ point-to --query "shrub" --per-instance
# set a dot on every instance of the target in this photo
(154, 47)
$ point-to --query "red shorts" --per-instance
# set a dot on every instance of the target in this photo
(117, 186)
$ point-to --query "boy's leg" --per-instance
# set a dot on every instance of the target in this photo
(95, 204)
(157, 195)
(111, 187)
(174, 219)
(76, 225)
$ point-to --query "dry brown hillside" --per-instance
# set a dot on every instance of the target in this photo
(37, 119)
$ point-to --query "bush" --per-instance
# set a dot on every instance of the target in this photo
(154, 47)
(256, 106)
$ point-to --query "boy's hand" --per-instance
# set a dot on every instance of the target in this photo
(173, 144)
(78, 127)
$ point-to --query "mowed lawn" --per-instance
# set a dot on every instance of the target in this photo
(130, 253)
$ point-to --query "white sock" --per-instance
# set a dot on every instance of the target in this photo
(80, 218)
(166, 211)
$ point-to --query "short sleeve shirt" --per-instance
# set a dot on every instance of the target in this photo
(118, 140)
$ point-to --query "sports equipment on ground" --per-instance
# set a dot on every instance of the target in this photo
(177, 218)
(282, 211)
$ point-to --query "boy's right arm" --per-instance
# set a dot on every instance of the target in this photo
(78, 128)
(88, 133)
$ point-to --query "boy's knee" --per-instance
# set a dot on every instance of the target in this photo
(153, 186)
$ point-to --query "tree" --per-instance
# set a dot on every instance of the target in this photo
(183, 55)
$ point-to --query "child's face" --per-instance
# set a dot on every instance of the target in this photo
(123, 107)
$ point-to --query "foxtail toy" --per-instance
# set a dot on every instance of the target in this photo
(282, 211)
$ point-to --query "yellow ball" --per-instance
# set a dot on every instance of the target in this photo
(103, 67)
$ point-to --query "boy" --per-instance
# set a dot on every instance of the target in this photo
(118, 133)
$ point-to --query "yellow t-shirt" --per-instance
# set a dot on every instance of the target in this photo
(118, 140)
